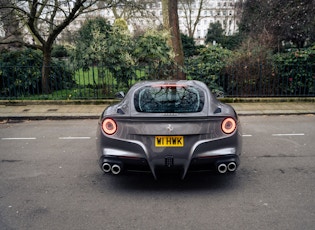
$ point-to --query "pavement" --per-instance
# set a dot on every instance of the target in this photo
(39, 110)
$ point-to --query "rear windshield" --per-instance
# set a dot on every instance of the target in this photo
(169, 99)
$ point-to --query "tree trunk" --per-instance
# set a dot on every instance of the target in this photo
(46, 89)
(170, 21)
(166, 21)
(176, 38)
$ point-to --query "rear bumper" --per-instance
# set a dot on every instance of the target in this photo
(204, 155)
(196, 164)
(212, 163)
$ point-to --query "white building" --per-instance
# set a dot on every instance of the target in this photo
(212, 11)
(193, 19)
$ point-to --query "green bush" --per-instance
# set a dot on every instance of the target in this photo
(59, 51)
(296, 71)
(20, 73)
(249, 70)
(153, 54)
(189, 46)
(208, 66)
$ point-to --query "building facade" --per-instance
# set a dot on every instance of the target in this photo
(195, 17)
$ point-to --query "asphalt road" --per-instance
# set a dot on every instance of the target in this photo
(49, 179)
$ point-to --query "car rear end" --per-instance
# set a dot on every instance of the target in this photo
(169, 128)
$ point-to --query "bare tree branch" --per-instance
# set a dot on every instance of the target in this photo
(44, 20)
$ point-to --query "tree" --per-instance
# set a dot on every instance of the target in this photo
(191, 21)
(21, 73)
(107, 46)
(45, 20)
(189, 46)
(209, 65)
(295, 71)
(215, 33)
(152, 49)
(117, 51)
(170, 22)
(132, 9)
(295, 21)
(113, 47)
(153, 52)
(195, 12)
(87, 47)
(135, 13)
(289, 21)
(8, 27)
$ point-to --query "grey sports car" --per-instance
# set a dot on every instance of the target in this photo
(169, 127)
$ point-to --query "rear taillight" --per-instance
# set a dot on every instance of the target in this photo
(109, 126)
(228, 125)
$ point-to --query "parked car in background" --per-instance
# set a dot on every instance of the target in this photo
(169, 127)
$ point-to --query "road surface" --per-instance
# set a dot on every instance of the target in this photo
(49, 179)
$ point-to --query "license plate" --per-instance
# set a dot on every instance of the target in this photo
(169, 141)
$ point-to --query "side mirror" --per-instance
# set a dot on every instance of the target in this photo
(120, 95)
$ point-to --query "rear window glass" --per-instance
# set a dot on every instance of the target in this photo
(169, 99)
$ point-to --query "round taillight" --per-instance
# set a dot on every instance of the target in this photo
(228, 125)
(109, 126)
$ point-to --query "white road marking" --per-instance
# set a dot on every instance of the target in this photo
(74, 138)
(288, 134)
(87, 138)
(18, 138)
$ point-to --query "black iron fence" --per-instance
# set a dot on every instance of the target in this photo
(20, 82)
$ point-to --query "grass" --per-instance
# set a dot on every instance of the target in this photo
(94, 75)
(94, 83)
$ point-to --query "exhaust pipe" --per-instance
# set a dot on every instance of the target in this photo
(116, 169)
(231, 166)
(222, 168)
(106, 167)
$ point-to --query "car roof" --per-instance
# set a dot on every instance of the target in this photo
(127, 107)
(169, 82)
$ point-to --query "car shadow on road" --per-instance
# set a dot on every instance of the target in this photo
(193, 181)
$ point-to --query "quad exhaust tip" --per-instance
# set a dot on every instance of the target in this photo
(224, 167)
(106, 167)
(114, 169)
(231, 166)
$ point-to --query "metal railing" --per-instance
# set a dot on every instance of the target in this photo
(97, 82)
